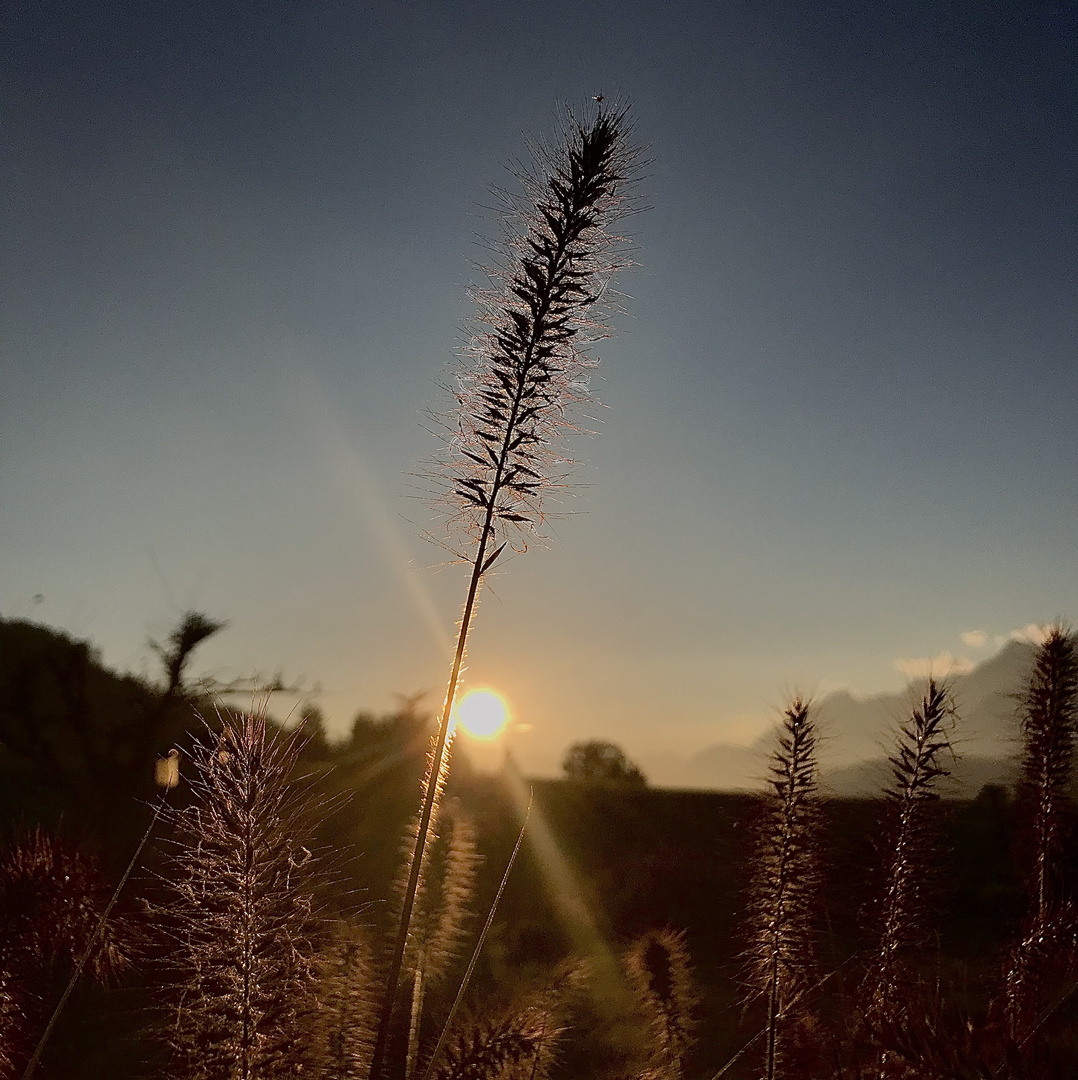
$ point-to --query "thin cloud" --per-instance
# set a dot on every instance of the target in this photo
(1035, 633)
(920, 667)
(975, 639)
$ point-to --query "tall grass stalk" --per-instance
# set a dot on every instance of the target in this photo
(659, 973)
(240, 920)
(442, 905)
(1049, 942)
(344, 1026)
(527, 371)
(909, 847)
(784, 903)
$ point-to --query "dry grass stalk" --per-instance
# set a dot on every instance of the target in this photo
(527, 371)
(446, 887)
(1047, 951)
(660, 976)
(909, 845)
(240, 919)
(785, 897)
(518, 1047)
(344, 1026)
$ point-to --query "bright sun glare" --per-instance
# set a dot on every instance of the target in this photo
(482, 713)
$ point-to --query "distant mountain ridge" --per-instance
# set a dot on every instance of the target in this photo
(857, 735)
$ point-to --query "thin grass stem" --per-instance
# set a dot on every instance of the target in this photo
(465, 982)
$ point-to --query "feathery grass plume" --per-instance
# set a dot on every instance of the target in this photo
(910, 843)
(441, 909)
(518, 1047)
(526, 370)
(344, 1025)
(445, 892)
(785, 893)
(658, 967)
(240, 919)
(51, 902)
(1048, 948)
(910, 851)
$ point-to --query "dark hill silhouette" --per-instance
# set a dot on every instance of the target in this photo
(78, 742)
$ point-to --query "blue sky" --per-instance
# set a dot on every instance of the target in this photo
(842, 403)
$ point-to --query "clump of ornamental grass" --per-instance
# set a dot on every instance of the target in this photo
(240, 922)
(785, 893)
(660, 977)
(1045, 958)
(52, 899)
(523, 377)
(910, 849)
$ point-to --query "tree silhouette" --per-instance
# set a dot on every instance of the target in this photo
(601, 764)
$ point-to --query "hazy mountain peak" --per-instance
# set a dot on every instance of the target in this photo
(857, 732)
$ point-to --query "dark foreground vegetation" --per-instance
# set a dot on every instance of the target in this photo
(640, 932)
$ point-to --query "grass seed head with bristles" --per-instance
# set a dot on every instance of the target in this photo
(445, 892)
(521, 1043)
(910, 843)
(1045, 790)
(240, 921)
(525, 371)
(659, 974)
(1047, 950)
(344, 1023)
(785, 893)
(896, 1007)
(446, 887)
(518, 1047)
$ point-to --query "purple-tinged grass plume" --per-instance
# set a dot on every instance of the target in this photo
(524, 375)
(910, 849)
(660, 976)
(785, 896)
(1047, 951)
(240, 920)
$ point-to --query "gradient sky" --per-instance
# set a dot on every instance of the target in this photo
(843, 423)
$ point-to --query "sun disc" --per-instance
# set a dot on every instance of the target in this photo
(482, 713)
